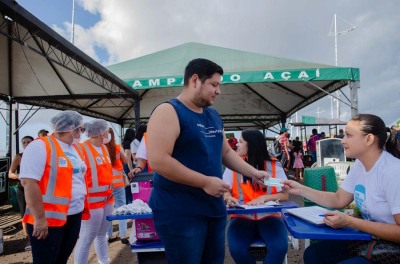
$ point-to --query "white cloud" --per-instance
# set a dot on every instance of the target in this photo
(290, 29)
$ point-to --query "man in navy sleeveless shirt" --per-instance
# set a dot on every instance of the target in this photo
(186, 149)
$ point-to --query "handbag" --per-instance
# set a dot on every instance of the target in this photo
(376, 251)
(127, 181)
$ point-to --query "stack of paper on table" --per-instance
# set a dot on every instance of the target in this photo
(265, 205)
(312, 214)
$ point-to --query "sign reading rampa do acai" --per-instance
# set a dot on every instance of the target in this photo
(253, 77)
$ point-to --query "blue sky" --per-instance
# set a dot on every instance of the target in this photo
(116, 31)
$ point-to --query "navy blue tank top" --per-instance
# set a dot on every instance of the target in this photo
(198, 147)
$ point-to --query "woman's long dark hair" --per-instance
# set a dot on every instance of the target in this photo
(257, 152)
(140, 131)
(129, 135)
(372, 124)
(111, 147)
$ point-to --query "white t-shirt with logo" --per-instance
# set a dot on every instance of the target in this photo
(33, 165)
(377, 192)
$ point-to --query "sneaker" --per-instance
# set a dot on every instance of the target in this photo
(28, 246)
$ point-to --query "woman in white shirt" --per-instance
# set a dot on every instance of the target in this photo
(373, 183)
(52, 173)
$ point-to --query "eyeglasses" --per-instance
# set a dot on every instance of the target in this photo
(80, 129)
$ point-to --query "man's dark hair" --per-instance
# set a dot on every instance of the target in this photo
(203, 68)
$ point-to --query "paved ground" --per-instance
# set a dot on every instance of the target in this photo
(14, 243)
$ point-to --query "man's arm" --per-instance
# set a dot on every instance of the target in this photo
(162, 132)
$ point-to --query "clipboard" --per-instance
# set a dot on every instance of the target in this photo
(311, 214)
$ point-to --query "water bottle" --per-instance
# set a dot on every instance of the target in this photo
(1, 241)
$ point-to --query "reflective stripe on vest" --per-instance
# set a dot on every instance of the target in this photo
(238, 192)
(118, 169)
(93, 168)
(98, 176)
(49, 197)
(55, 185)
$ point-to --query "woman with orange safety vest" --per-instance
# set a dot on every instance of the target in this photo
(117, 158)
(52, 174)
(243, 229)
(100, 200)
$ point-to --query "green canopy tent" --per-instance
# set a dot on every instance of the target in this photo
(258, 90)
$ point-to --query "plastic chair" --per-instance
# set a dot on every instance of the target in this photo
(320, 178)
(341, 169)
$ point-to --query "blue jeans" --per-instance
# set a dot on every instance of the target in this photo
(58, 245)
(191, 239)
(119, 200)
(313, 156)
(242, 232)
(331, 251)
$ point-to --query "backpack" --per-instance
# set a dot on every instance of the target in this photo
(277, 151)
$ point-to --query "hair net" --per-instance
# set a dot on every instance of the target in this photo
(66, 121)
(96, 127)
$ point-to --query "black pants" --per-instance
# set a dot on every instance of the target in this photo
(59, 244)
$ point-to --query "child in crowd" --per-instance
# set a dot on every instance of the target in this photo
(298, 165)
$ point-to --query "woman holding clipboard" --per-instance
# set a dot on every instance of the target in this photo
(374, 184)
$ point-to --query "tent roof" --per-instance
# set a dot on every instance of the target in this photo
(39, 67)
(257, 91)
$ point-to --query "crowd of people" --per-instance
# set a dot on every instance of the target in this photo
(68, 187)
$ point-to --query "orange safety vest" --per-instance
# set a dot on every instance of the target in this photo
(86, 211)
(149, 169)
(118, 169)
(246, 192)
(55, 185)
(98, 176)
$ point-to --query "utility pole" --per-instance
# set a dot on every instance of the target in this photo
(336, 34)
(318, 112)
(73, 22)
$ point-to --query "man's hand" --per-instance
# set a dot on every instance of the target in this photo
(260, 175)
(215, 186)
(131, 174)
(40, 228)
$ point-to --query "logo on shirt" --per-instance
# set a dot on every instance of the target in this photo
(359, 198)
(99, 160)
(209, 131)
(62, 162)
